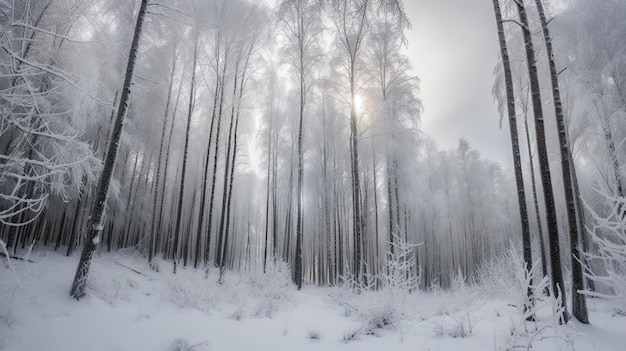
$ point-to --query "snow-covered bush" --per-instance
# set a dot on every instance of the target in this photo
(272, 286)
(498, 275)
(608, 232)
(14, 273)
(314, 334)
(182, 344)
(399, 275)
(384, 308)
(190, 288)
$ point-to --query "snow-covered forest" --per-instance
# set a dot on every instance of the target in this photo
(264, 160)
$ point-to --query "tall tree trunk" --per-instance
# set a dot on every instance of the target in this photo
(190, 109)
(218, 128)
(269, 183)
(544, 166)
(584, 241)
(205, 177)
(579, 302)
(97, 213)
(610, 143)
(221, 234)
(356, 187)
(75, 227)
(157, 181)
(517, 162)
(542, 248)
(299, 191)
(159, 246)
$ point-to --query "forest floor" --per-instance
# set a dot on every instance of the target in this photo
(131, 307)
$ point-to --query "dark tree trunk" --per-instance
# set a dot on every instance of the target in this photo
(221, 234)
(218, 128)
(517, 162)
(580, 209)
(579, 303)
(542, 246)
(356, 189)
(269, 183)
(159, 246)
(205, 177)
(72, 241)
(157, 181)
(299, 194)
(544, 166)
(97, 213)
(190, 109)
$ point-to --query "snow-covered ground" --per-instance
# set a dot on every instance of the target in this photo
(131, 307)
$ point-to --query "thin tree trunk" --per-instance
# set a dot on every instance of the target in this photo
(584, 242)
(517, 162)
(221, 242)
(299, 191)
(215, 157)
(157, 181)
(74, 228)
(269, 177)
(542, 245)
(185, 154)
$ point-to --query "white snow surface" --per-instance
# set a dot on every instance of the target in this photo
(126, 310)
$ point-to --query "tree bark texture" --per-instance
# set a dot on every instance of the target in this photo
(97, 213)
(579, 303)
(544, 166)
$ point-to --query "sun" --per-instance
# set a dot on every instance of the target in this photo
(358, 103)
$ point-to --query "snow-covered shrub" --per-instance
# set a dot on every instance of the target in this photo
(527, 294)
(111, 289)
(314, 334)
(608, 232)
(452, 327)
(350, 334)
(14, 273)
(182, 344)
(190, 288)
(399, 275)
(238, 314)
(497, 276)
(272, 286)
(382, 309)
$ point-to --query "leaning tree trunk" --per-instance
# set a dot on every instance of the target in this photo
(544, 166)
(517, 162)
(97, 212)
(579, 303)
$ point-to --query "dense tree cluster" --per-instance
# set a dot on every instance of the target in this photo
(254, 134)
(566, 89)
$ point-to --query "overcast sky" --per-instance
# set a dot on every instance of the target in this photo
(454, 46)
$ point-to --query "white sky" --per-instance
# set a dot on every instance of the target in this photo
(454, 47)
